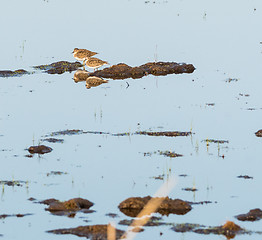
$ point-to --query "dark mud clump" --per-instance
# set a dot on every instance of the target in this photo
(229, 229)
(123, 71)
(252, 215)
(41, 149)
(245, 177)
(152, 222)
(193, 189)
(166, 134)
(16, 73)
(56, 173)
(259, 133)
(68, 207)
(132, 206)
(53, 140)
(59, 67)
(95, 232)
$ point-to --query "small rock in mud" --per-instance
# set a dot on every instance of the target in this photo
(53, 140)
(94, 232)
(166, 134)
(245, 177)
(132, 206)
(67, 207)
(229, 229)
(123, 71)
(16, 73)
(59, 67)
(40, 149)
(259, 133)
(252, 215)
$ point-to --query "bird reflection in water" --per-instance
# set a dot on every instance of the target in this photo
(81, 75)
(94, 81)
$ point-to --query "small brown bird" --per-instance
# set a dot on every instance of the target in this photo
(82, 54)
(95, 63)
(94, 81)
(81, 75)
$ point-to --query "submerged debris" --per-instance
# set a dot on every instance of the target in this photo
(53, 140)
(252, 215)
(132, 206)
(19, 215)
(16, 73)
(123, 71)
(56, 173)
(164, 153)
(40, 149)
(259, 133)
(13, 183)
(65, 208)
(193, 189)
(94, 232)
(215, 141)
(166, 134)
(67, 132)
(152, 222)
(229, 229)
(59, 67)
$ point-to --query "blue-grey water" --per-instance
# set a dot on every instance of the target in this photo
(220, 38)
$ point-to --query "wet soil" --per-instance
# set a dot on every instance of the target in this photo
(41, 149)
(94, 232)
(66, 132)
(166, 134)
(132, 206)
(252, 215)
(68, 207)
(59, 67)
(229, 229)
(215, 141)
(123, 71)
(16, 73)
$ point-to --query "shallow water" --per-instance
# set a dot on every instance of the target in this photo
(221, 39)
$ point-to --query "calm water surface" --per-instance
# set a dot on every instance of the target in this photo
(220, 38)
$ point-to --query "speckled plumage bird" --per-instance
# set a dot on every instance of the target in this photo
(95, 63)
(83, 54)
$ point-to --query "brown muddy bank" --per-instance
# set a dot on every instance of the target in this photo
(133, 206)
(95, 232)
(59, 67)
(166, 134)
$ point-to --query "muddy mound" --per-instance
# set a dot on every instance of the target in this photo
(95, 232)
(166, 134)
(123, 71)
(71, 206)
(252, 215)
(41, 149)
(132, 206)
